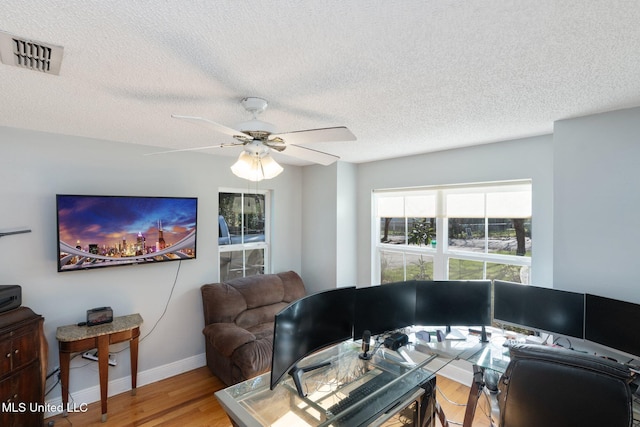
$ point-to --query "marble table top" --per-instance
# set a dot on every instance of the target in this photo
(75, 333)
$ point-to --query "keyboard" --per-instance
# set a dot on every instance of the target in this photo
(362, 391)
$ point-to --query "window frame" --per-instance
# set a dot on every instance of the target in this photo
(245, 247)
(442, 253)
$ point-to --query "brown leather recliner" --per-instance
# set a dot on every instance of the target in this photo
(238, 318)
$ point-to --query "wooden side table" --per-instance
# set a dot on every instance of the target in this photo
(74, 339)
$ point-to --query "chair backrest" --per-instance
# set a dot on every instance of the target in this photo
(548, 386)
(250, 300)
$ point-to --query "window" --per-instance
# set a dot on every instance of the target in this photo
(453, 233)
(243, 234)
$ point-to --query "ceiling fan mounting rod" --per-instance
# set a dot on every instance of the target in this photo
(254, 105)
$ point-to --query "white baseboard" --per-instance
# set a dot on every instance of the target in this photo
(120, 385)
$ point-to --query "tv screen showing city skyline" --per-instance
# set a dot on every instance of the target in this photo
(106, 231)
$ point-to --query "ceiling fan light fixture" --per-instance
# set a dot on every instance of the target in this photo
(256, 167)
(270, 168)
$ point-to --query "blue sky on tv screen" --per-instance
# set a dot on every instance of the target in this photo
(107, 220)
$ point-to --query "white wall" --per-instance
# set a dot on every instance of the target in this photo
(329, 232)
(319, 204)
(35, 166)
(346, 225)
(530, 158)
(597, 204)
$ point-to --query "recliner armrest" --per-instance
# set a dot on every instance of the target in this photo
(226, 337)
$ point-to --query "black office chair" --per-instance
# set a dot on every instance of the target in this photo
(549, 386)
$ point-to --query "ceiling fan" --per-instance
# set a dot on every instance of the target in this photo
(258, 137)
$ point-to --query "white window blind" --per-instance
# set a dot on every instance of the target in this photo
(506, 201)
(413, 206)
(512, 204)
(463, 205)
(390, 207)
(420, 206)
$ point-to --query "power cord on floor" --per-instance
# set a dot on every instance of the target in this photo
(451, 402)
(447, 399)
(55, 371)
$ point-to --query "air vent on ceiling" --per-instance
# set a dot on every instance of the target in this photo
(30, 54)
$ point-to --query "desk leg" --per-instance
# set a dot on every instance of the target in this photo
(428, 406)
(133, 351)
(65, 359)
(103, 369)
(474, 395)
(441, 416)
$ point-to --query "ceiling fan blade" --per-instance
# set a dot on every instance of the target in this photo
(339, 133)
(310, 155)
(192, 149)
(217, 126)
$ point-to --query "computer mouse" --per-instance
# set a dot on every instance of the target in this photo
(491, 379)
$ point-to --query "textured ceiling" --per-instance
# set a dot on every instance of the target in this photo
(406, 76)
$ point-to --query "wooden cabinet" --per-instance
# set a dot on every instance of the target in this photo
(23, 356)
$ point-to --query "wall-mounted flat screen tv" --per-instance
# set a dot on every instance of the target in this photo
(109, 231)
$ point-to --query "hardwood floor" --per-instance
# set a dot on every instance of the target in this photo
(187, 400)
(183, 400)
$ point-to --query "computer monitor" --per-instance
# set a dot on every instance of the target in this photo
(384, 308)
(453, 303)
(543, 309)
(612, 323)
(307, 325)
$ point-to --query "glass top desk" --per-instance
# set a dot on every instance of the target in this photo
(494, 355)
(397, 380)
